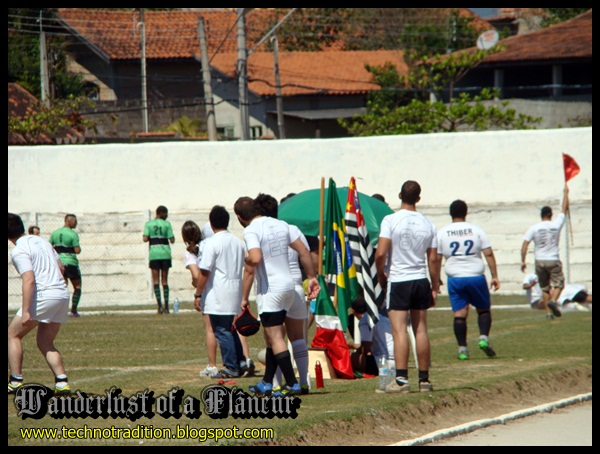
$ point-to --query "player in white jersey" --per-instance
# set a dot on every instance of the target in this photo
(45, 303)
(267, 242)
(548, 267)
(410, 240)
(297, 316)
(534, 292)
(462, 244)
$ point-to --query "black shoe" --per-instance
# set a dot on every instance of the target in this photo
(160, 310)
(554, 308)
(226, 373)
(166, 309)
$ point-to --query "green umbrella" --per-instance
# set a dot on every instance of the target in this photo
(303, 211)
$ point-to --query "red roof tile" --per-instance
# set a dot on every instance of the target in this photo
(569, 39)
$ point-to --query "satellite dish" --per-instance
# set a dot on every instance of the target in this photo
(487, 39)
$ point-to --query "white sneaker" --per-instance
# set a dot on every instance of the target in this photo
(209, 372)
(580, 307)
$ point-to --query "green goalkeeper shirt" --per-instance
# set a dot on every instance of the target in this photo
(159, 233)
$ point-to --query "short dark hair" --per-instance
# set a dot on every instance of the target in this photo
(219, 217)
(378, 197)
(290, 195)
(458, 209)
(410, 192)
(359, 305)
(267, 205)
(31, 229)
(15, 226)
(546, 212)
(246, 208)
(162, 212)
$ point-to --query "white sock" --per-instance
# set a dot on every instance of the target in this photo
(300, 351)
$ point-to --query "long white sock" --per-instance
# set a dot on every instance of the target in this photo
(300, 351)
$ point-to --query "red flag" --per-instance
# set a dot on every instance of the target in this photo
(571, 167)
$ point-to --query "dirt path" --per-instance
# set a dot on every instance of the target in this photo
(449, 410)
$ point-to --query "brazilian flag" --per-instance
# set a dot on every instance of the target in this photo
(337, 256)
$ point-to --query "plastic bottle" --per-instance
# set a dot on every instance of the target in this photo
(391, 370)
(384, 375)
(176, 306)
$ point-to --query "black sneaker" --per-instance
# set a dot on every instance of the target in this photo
(226, 373)
(554, 308)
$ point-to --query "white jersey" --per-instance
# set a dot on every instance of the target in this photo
(534, 294)
(546, 235)
(570, 290)
(33, 253)
(272, 236)
(294, 257)
(411, 234)
(223, 256)
(461, 244)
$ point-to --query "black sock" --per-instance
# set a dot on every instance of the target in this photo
(423, 375)
(403, 373)
(270, 366)
(460, 331)
(485, 323)
(284, 361)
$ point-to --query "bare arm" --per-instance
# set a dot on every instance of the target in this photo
(202, 280)
(565, 204)
(434, 272)
(491, 261)
(28, 287)
(247, 281)
(381, 254)
(195, 271)
(524, 248)
(145, 238)
(306, 260)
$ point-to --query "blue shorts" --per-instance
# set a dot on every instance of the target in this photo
(469, 290)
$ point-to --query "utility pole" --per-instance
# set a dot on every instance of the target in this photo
(279, 100)
(45, 84)
(243, 74)
(144, 89)
(211, 124)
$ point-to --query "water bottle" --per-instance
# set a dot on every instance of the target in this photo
(391, 370)
(319, 375)
(176, 306)
(384, 375)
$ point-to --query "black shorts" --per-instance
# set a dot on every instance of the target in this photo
(72, 272)
(410, 295)
(160, 264)
(273, 318)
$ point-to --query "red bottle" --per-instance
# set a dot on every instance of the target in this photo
(319, 375)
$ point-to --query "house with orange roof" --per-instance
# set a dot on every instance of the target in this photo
(317, 88)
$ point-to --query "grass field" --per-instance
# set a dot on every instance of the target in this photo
(137, 351)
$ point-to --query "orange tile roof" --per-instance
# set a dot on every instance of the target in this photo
(332, 72)
(569, 39)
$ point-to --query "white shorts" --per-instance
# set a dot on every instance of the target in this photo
(49, 310)
(299, 310)
(275, 302)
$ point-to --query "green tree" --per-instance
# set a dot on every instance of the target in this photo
(50, 119)
(557, 15)
(403, 105)
(24, 53)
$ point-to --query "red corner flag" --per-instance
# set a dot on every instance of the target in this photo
(571, 167)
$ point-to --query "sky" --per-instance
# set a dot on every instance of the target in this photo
(485, 13)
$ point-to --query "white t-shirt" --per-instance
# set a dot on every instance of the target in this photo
(461, 244)
(293, 255)
(534, 294)
(272, 236)
(546, 235)
(223, 256)
(412, 234)
(570, 290)
(33, 253)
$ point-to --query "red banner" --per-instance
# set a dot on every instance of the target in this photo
(571, 167)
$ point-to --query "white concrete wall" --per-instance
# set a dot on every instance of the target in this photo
(505, 177)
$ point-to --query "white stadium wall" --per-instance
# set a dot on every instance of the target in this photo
(504, 176)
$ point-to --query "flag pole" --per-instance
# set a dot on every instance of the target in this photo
(321, 214)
